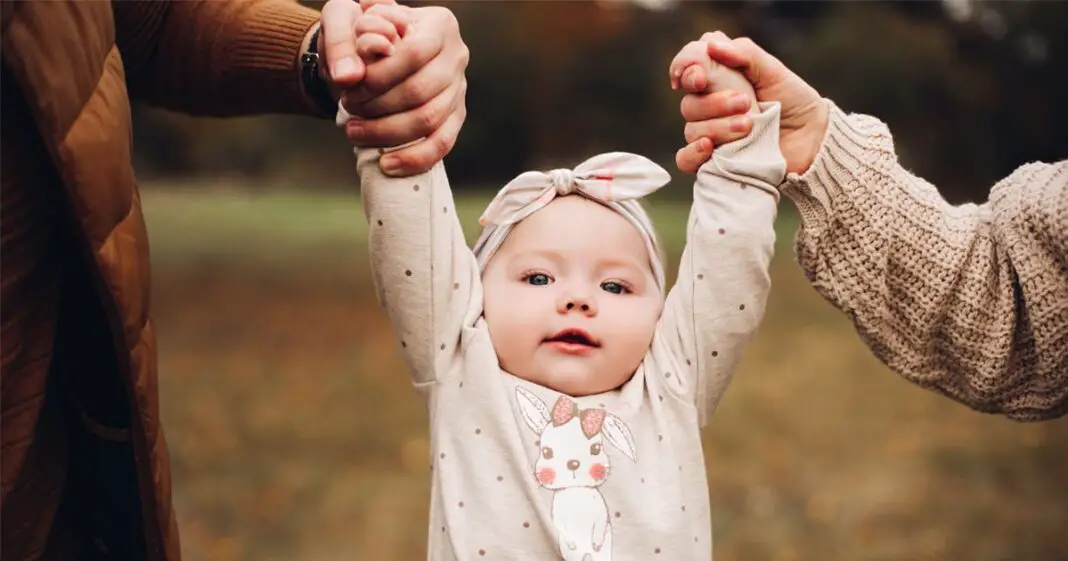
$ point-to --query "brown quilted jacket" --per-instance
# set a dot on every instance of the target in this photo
(85, 464)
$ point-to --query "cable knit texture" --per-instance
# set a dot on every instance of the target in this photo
(970, 301)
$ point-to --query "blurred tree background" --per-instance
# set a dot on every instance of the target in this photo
(970, 89)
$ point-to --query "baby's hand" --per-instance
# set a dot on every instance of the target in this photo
(696, 69)
(379, 28)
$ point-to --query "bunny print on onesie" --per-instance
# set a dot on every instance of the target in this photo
(573, 463)
(522, 472)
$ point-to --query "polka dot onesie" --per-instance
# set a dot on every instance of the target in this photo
(521, 472)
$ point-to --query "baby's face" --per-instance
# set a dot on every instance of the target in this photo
(570, 298)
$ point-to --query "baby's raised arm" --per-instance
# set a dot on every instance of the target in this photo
(424, 274)
(723, 282)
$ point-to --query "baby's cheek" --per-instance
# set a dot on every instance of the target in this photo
(546, 476)
(598, 472)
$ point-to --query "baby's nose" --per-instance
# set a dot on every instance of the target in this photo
(577, 302)
(573, 465)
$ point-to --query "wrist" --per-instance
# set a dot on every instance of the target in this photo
(814, 132)
(314, 77)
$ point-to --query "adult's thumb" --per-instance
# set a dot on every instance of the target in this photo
(741, 54)
(338, 41)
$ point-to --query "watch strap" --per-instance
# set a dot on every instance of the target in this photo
(315, 88)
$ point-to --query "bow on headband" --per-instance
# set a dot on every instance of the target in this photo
(616, 180)
(612, 177)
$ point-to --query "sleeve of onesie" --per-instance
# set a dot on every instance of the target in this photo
(723, 281)
(425, 276)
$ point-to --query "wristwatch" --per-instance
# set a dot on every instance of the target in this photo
(312, 82)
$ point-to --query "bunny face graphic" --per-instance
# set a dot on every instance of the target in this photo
(572, 451)
(572, 448)
(572, 462)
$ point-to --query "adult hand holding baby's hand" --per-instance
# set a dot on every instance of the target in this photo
(720, 116)
(701, 74)
(416, 92)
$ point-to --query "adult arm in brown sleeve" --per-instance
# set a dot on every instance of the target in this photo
(215, 58)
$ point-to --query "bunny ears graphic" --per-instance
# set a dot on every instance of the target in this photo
(593, 421)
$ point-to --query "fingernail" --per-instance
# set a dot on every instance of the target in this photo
(722, 45)
(389, 164)
(739, 124)
(344, 68)
(691, 78)
(739, 102)
(355, 128)
(704, 145)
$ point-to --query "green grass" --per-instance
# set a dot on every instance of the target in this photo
(295, 433)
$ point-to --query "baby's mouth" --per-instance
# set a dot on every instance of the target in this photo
(573, 338)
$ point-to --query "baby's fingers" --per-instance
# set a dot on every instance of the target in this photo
(691, 157)
(694, 79)
(373, 24)
(371, 46)
(399, 16)
(695, 53)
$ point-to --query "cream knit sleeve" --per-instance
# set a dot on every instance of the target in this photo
(970, 301)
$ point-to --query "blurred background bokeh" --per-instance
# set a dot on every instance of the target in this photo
(295, 432)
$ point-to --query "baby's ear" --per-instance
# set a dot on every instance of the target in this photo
(617, 432)
(533, 410)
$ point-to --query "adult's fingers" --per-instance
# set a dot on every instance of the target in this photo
(690, 157)
(427, 83)
(719, 131)
(422, 156)
(337, 41)
(409, 57)
(741, 54)
(398, 128)
(701, 107)
(434, 33)
(728, 52)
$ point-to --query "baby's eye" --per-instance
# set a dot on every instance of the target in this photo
(537, 279)
(613, 287)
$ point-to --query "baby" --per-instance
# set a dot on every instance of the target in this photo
(566, 385)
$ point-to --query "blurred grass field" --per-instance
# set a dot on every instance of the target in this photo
(295, 434)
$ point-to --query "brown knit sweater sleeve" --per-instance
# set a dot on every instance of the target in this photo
(970, 301)
(215, 57)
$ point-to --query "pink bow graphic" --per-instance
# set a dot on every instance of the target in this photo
(615, 176)
(591, 419)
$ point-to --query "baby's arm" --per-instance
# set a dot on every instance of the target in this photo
(424, 274)
(718, 300)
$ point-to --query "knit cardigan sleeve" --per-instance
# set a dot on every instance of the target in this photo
(970, 301)
(215, 58)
